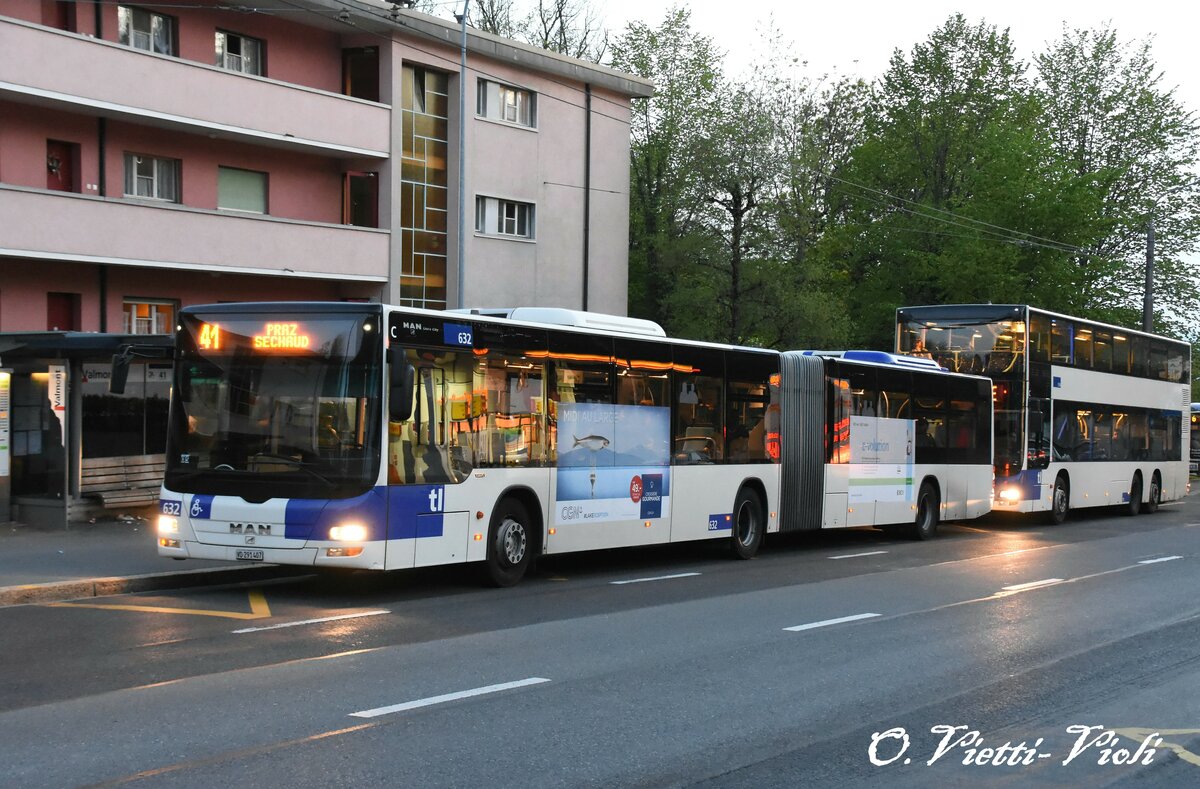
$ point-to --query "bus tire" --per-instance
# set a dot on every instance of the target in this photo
(748, 525)
(1155, 497)
(510, 546)
(1135, 496)
(925, 527)
(1060, 501)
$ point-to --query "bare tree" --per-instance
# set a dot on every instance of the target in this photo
(495, 17)
(568, 27)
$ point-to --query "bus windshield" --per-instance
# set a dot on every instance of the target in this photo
(983, 346)
(266, 406)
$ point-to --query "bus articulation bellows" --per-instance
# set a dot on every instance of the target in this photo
(368, 436)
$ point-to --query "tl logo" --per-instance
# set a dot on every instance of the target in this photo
(436, 499)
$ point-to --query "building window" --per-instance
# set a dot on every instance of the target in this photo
(425, 99)
(241, 190)
(506, 103)
(151, 177)
(142, 29)
(63, 312)
(495, 217)
(239, 53)
(149, 316)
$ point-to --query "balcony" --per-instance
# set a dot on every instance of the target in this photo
(40, 224)
(66, 71)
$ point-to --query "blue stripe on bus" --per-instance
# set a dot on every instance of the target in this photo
(1029, 482)
(406, 502)
(722, 521)
(397, 512)
(201, 507)
(311, 519)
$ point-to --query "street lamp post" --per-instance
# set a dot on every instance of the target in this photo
(1148, 296)
(462, 155)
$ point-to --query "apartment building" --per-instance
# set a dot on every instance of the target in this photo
(159, 155)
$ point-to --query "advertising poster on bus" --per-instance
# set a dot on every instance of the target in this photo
(613, 462)
(881, 459)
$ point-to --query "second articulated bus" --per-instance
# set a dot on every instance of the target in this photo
(366, 436)
(1087, 414)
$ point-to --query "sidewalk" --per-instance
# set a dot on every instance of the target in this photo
(112, 555)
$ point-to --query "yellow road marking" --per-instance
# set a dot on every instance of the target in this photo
(258, 608)
(1180, 751)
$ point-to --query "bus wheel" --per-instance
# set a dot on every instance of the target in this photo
(1155, 496)
(925, 527)
(509, 549)
(1135, 497)
(1060, 503)
(748, 525)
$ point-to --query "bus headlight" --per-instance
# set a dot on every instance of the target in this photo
(1010, 494)
(168, 524)
(349, 532)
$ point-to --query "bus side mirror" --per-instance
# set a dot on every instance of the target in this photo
(119, 374)
(401, 377)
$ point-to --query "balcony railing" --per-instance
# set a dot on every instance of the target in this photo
(46, 66)
(62, 226)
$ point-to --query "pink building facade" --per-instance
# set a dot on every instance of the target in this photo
(153, 157)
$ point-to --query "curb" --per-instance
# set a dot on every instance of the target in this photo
(104, 587)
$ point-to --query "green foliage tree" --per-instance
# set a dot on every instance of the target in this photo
(956, 194)
(1116, 125)
(817, 124)
(668, 134)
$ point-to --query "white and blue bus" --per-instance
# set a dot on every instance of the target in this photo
(1194, 458)
(367, 436)
(1087, 414)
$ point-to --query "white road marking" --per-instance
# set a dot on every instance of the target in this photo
(1160, 559)
(856, 555)
(311, 621)
(1032, 585)
(462, 694)
(827, 622)
(656, 578)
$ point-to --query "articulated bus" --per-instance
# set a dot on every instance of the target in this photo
(1087, 414)
(367, 436)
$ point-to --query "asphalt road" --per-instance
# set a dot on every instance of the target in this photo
(844, 658)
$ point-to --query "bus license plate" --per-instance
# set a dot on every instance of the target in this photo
(249, 555)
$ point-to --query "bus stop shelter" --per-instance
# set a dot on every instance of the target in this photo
(56, 411)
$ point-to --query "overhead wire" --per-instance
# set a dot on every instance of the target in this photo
(1016, 235)
(986, 230)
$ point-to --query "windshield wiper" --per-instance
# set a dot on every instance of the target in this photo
(300, 464)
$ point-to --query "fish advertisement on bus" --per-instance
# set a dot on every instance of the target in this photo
(881, 459)
(613, 462)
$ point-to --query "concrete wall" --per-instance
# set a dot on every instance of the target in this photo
(177, 92)
(300, 186)
(545, 167)
(24, 287)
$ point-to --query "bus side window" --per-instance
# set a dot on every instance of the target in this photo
(1060, 341)
(1039, 337)
(698, 417)
(837, 420)
(505, 420)
(748, 399)
(643, 373)
(428, 447)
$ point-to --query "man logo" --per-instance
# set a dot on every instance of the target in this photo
(250, 528)
(250, 540)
